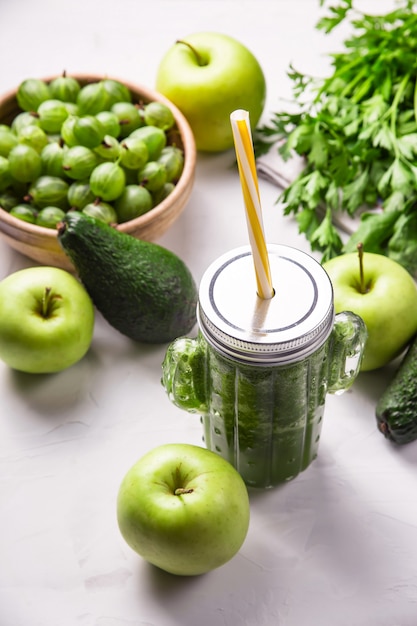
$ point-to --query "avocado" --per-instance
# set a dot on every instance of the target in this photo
(396, 411)
(142, 289)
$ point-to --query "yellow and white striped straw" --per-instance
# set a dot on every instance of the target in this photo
(248, 178)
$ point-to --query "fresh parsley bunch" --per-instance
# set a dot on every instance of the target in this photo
(357, 130)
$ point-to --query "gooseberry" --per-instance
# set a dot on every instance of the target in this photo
(23, 119)
(5, 175)
(133, 153)
(31, 93)
(78, 162)
(65, 88)
(101, 211)
(33, 136)
(107, 181)
(134, 201)
(8, 200)
(110, 123)
(154, 138)
(49, 217)
(88, 131)
(52, 157)
(159, 115)
(24, 212)
(109, 149)
(49, 191)
(92, 98)
(25, 163)
(160, 194)
(80, 194)
(116, 91)
(52, 114)
(128, 116)
(152, 176)
(8, 140)
(67, 131)
(172, 158)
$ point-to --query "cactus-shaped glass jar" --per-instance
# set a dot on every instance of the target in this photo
(259, 370)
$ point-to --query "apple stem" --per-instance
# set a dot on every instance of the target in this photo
(45, 302)
(362, 286)
(180, 491)
(198, 56)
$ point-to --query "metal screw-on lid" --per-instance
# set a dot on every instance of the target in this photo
(289, 326)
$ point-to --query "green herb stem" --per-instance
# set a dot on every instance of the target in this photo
(397, 98)
(415, 99)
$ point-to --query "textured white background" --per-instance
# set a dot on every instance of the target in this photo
(335, 547)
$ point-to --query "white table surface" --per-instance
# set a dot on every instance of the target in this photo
(335, 547)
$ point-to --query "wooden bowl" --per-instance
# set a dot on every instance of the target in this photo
(41, 244)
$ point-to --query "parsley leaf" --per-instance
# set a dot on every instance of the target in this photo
(357, 132)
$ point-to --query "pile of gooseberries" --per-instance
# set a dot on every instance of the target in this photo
(86, 147)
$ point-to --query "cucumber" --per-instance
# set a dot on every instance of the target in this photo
(142, 289)
(396, 411)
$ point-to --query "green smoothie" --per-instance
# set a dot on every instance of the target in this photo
(262, 401)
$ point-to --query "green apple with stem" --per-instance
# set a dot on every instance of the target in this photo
(46, 320)
(208, 75)
(383, 294)
(184, 509)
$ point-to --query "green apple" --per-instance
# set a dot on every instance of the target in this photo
(46, 320)
(208, 75)
(184, 509)
(383, 294)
